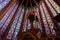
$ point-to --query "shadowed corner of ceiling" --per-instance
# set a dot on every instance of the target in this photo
(29, 3)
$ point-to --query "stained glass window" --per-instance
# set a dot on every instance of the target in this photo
(3, 4)
(21, 11)
(57, 8)
(1, 1)
(6, 15)
(51, 25)
(14, 25)
(28, 24)
(8, 21)
(51, 8)
(44, 20)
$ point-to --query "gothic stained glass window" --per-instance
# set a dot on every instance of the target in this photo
(57, 8)
(44, 20)
(1, 1)
(51, 8)
(51, 25)
(4, 3)
(8, 20)
(19, 23)
(10, 34)
(6, 15)
(28, 24)
(13, 26)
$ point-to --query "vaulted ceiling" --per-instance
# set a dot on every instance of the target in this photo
(29, 3)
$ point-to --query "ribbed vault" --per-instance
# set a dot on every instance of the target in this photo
(29, 3)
